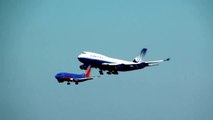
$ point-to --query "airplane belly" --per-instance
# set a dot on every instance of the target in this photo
(130, 67)
(93, 62)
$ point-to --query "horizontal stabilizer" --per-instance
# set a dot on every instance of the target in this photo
(153, 64)
(156, 62)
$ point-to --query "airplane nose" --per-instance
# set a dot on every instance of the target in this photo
(82, 57)
(57, 76)
(79, 57)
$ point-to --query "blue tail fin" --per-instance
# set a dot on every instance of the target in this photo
(140, 57)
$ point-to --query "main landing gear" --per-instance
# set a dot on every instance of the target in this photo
(109, 73)
(115, 72)
(68, 83)
(83, 67)
(101, 72)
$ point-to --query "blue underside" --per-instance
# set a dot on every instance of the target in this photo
(122, 67)
(92, 61)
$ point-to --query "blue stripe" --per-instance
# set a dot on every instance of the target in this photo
(69, 75)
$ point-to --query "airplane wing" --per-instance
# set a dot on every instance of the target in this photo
(115, 66)
(111, 64)
(135, 65)
(83, 79)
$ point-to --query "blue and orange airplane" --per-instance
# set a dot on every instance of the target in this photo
(76, 78)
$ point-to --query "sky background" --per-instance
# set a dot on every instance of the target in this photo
(43, 37)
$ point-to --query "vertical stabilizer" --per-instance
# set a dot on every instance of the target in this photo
(87, 73)
(140, 57)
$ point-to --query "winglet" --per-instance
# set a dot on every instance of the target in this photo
(87, 73)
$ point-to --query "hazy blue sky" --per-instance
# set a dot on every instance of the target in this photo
(42, 37)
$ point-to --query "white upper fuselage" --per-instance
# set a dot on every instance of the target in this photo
(103, 59)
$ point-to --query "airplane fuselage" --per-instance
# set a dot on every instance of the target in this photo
(101, 61)
(63, 76)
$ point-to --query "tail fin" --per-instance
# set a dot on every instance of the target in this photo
(140, 57)
(87, 73)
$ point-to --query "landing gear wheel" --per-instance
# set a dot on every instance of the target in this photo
(76, 83)
(115, 72)
(68, 83)
(101, 72)
(109, 73)
(82, 67)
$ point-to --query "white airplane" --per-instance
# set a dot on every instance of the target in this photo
(113, 65)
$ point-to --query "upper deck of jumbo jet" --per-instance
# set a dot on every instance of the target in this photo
(91, 54)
